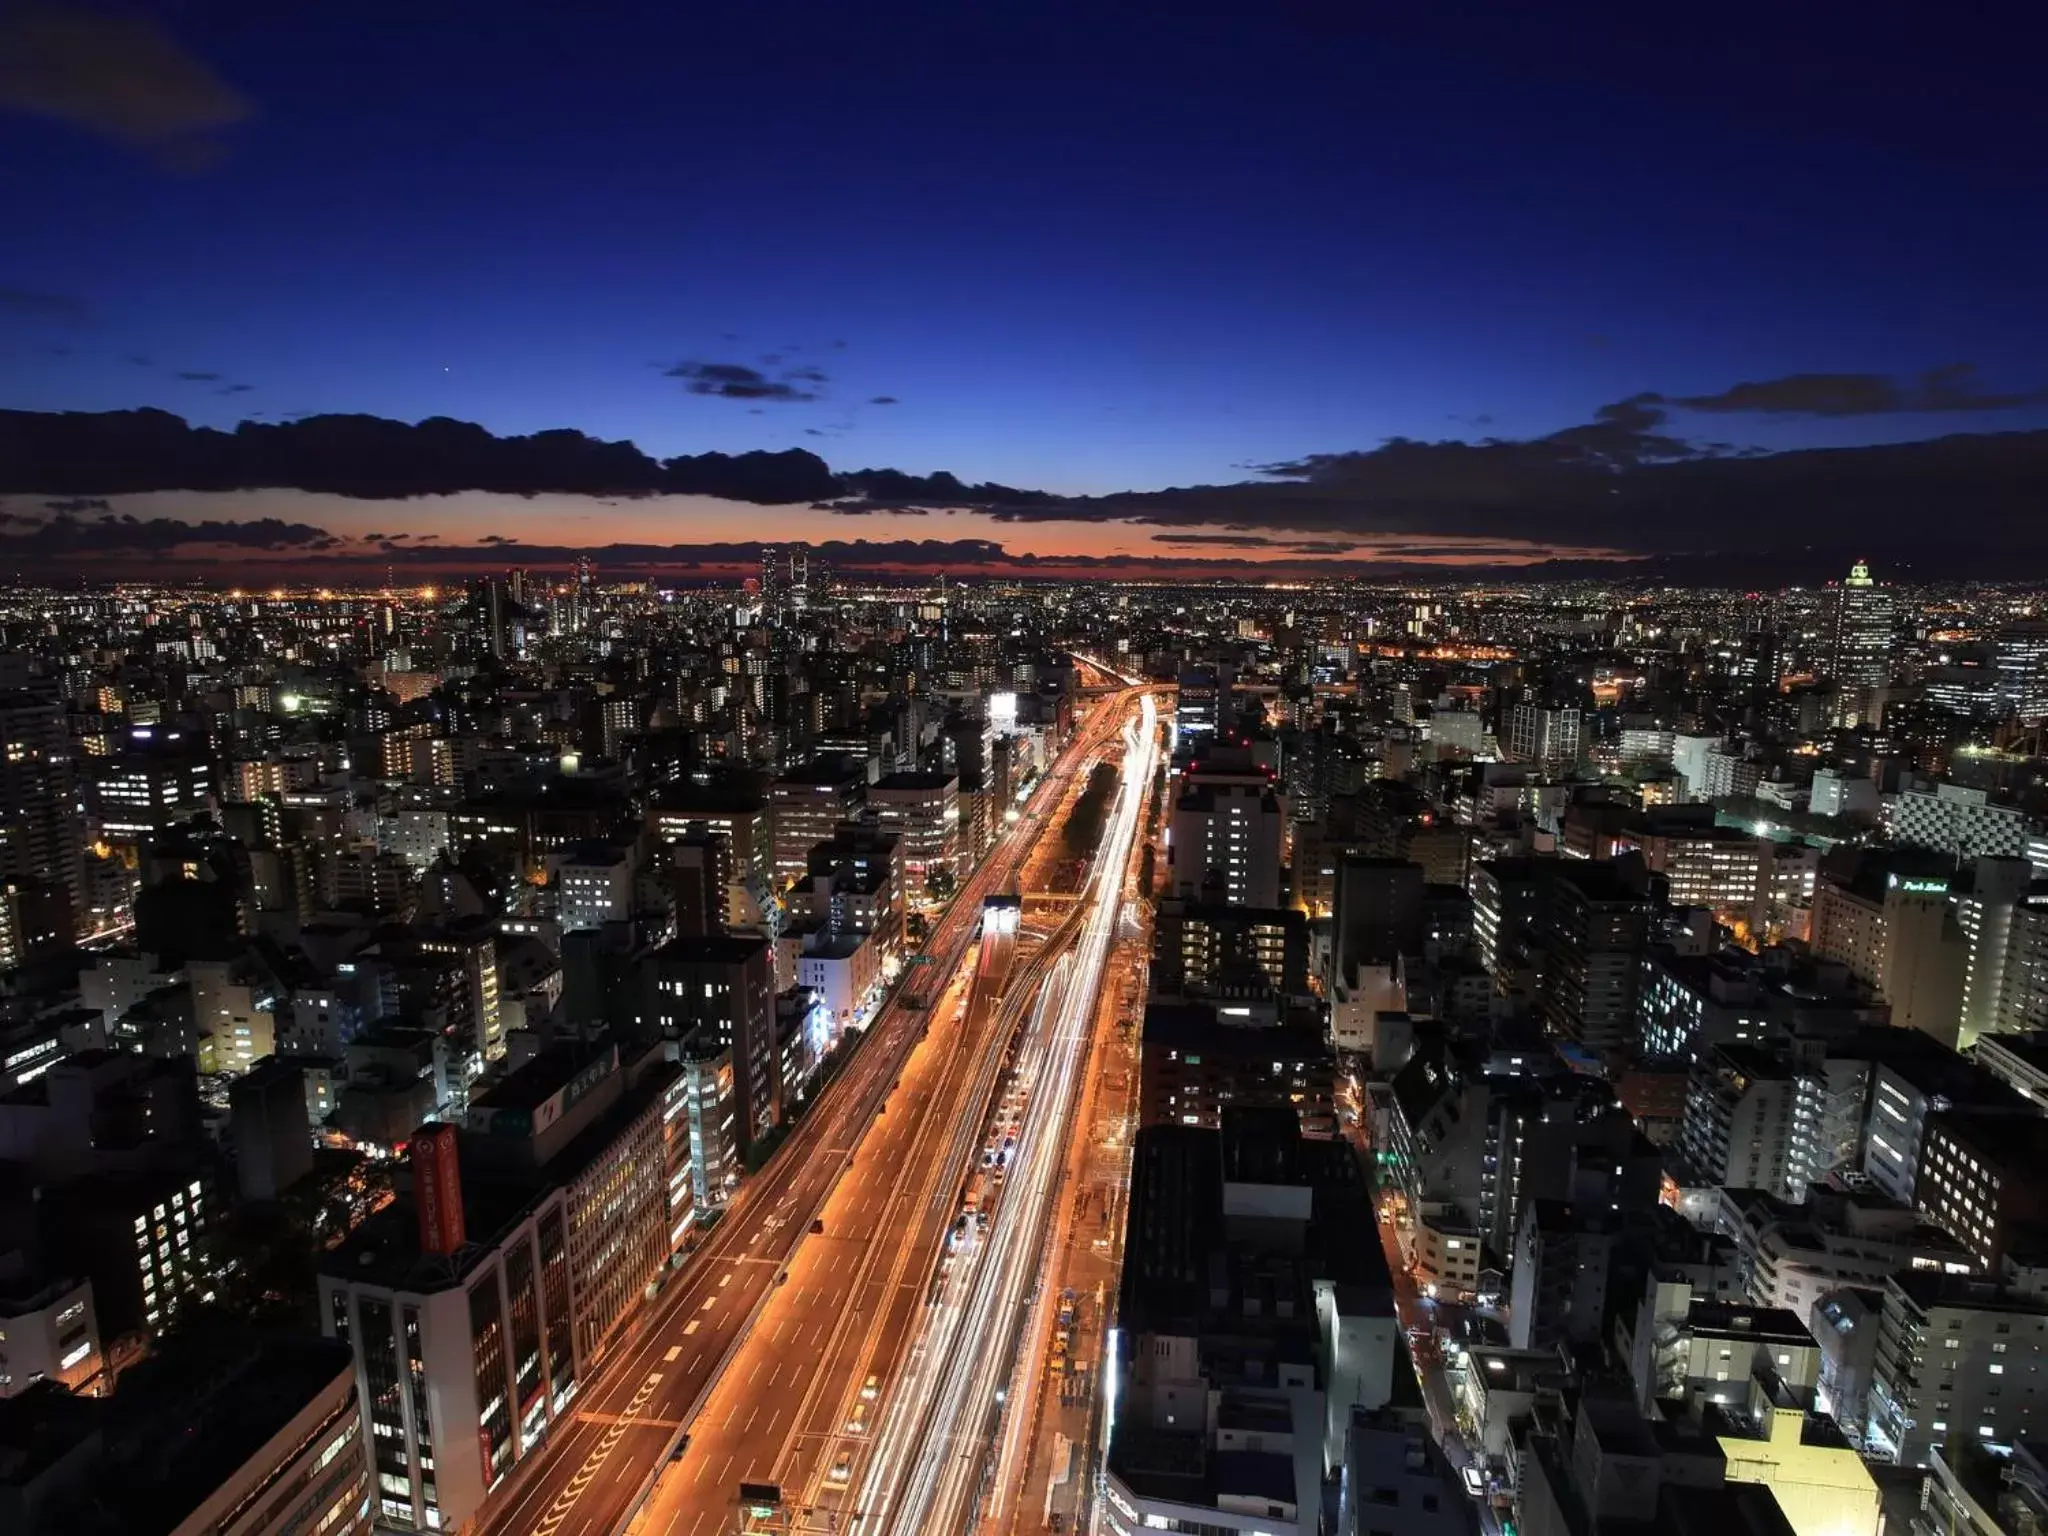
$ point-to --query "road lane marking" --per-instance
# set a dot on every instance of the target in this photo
(673, 1351)
(551, 1523)
(692, 1326)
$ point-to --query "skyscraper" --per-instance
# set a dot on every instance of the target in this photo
(41, 836)
(1860, 645)
(2022, 665)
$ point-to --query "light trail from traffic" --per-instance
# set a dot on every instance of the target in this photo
(930, 1462)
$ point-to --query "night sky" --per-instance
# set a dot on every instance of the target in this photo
(1082, 249)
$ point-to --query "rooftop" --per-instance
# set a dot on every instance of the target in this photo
(712, 949)
(547, 1074)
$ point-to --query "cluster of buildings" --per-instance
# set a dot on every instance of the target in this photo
(1672, 965)
(400, 983)
(1592, 1072)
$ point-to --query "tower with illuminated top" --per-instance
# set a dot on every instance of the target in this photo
(1860, 646)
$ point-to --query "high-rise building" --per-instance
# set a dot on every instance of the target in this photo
(1225, 835)
(1592, 956)
(1859, 654)
(1376, 912)
(1544, 735)
(1198, 707)
(2021, 661)
(575, 1184)
(272, 1134)
(922, 811)
(2023, 993)
(1958, 820)
(1956, 1357)
(1894, 931)
(805, 807)
(41, 836)
(719, 991)
(1980, 1178)
(1985, 907)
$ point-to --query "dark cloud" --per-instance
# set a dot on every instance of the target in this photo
(885, 400)
(63, 308)
(235, 389)
(65, 536)
(869, 509)
(1621, 481)
(78, 453)
(77, 506)
(1259, 541)
(813, 432)
(140, 361)
(197, 378)
(496, 538)
(116, 74)
(1953, 388)
(738, 381)
(892, 487)
(1217, 540)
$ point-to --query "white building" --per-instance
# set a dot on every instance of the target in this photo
(594, 886)
(1955, 1356)
(1548, 737)
(50, 1334)
(1953, 819)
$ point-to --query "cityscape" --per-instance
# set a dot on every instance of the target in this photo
(919, 770)
(814, 1054)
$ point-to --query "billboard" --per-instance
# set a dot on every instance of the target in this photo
(437, 1189)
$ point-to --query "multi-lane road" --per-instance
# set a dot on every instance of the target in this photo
(764, 1287)
(943, 1445)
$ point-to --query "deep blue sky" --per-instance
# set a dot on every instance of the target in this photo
(1087, 247)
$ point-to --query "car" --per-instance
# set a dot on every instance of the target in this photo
(857, 1421)
(842, 1470)
(871, 1389)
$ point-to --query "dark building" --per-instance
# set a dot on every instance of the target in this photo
(144, 1239)
(272, 1135)
(1981, 1178)
(1592, 956)
(1375, 913)
(721, 988)
(1252, 1266)
(1200, 1060)
(1213, 949)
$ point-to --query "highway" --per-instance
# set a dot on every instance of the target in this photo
(927, 1468)
(654, 1380)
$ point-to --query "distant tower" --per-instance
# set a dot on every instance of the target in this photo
(1860, 652)
(799, 575)
(771, 578)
